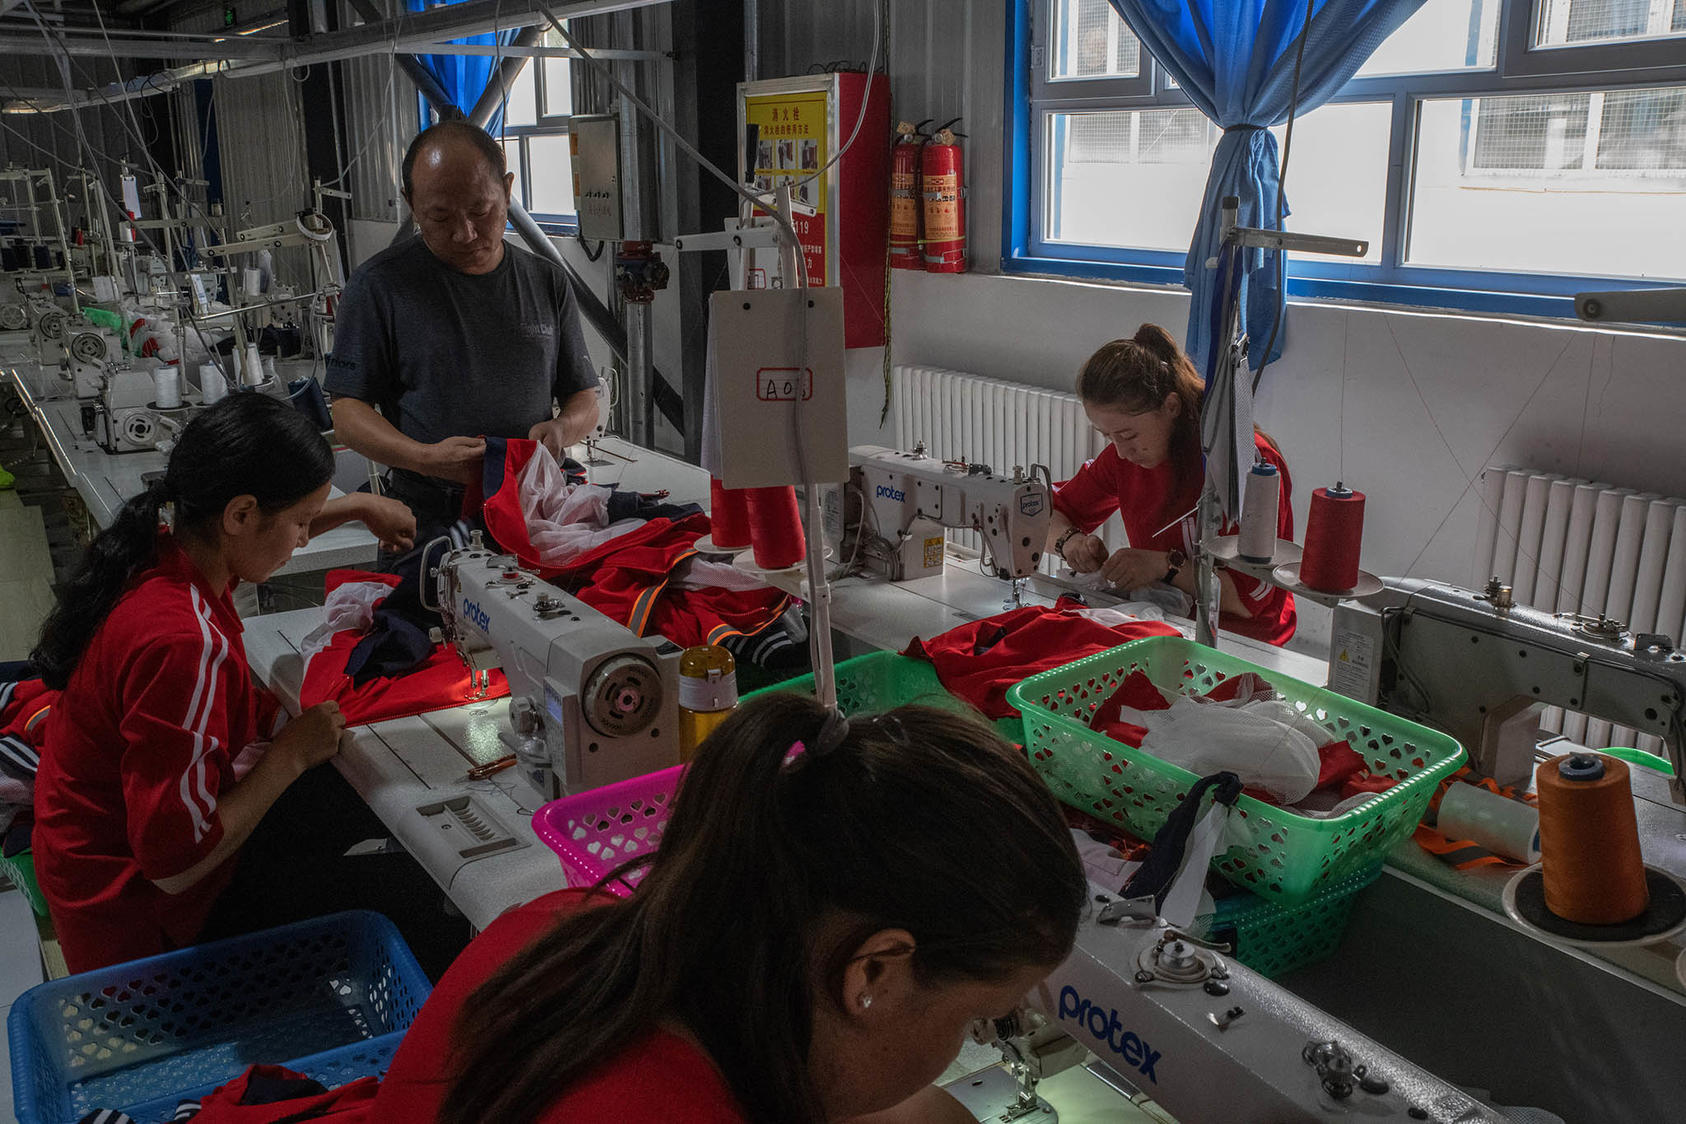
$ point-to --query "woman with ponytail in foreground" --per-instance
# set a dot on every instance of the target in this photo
(832, 905)
(157, 766)
(1143, 395)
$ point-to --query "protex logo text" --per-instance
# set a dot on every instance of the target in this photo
(885, 492)
(476, 614)
(1106, 1028)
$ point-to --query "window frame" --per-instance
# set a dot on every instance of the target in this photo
(547, 125)
(1031, 99)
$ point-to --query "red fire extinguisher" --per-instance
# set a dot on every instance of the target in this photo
(906, 203)
(945, 202)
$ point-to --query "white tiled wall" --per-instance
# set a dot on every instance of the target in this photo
(1429, 399)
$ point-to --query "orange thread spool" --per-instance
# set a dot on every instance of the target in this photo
(1589, 840)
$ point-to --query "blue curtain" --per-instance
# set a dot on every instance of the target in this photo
(1235, 60)
(463, 76)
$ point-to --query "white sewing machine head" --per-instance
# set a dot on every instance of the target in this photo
(89, 353)
(1482, 668)
(1205, 1037)
(127, 420)
(590, 702)
(907, 499)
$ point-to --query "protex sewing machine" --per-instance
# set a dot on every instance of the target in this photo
(1482, 668)
(90, 352)
(127, 417)
(590, 702)
(900, 503)
(1204, 1037)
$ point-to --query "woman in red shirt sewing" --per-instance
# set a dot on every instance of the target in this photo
(1143, 394)
(158, 764)
(833, 904)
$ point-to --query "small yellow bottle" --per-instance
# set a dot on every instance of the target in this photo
(708, 693)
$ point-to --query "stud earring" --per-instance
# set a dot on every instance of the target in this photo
(865, 1000)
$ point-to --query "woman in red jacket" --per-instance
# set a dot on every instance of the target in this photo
(1143, 395)
(832, 905)
(157, 764)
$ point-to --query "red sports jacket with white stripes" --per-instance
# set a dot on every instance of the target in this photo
(137, 752)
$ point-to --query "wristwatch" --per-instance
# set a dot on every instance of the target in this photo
(1059, 543)
(1175, 560)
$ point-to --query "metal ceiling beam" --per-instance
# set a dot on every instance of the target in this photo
(125, 47)
(419, 31)
(517, 51)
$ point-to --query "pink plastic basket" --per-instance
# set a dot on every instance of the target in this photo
(593, 832)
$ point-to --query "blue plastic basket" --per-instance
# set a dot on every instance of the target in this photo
(330, 998)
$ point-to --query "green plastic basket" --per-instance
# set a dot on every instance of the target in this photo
(880, 681)
(21, 870)
(1275, 938)
(1272, 851)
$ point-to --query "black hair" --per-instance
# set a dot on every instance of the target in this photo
(247, 444)
(919, 819)
(489, 149)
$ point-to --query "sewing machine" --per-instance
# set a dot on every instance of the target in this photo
(1482, 668)
(47, 329)
(899, 504)
(126, 419)
(89, 353)
(1206, 1038)
(590, 703)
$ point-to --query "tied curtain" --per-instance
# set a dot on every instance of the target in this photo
(1235, 61)
(465, 77)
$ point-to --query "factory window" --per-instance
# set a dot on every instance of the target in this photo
(1497, 154)
(535, 138)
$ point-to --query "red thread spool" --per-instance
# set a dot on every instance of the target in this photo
(728, 514)
(1334, 531)
(775, 527)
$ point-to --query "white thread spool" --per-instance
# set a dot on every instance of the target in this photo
(1503, 826)
(166, 388)
(253, 373)
(251, 281)
(213, 388)
(1258, 513)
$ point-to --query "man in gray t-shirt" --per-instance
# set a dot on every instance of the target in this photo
(454, 336)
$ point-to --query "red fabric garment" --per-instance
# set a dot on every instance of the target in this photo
(658, 1079)
(24, 707)
(628, 578)
(441, 682)
(136, 755)
(1150, 498)
(980, 661)
(348, 1104)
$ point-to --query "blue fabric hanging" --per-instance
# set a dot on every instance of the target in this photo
(464, 77)
(1235, 61)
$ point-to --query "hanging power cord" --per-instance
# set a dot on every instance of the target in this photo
(819, 588)
(1282, 198)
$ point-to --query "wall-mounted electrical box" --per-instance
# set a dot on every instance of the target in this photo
(595, 143)
(615, 185)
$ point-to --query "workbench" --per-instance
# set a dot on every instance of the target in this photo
(1431, 966)
(105, 481)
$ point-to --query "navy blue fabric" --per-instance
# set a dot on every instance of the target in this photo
(16, 671)
(1235, 61)
(1159, 870)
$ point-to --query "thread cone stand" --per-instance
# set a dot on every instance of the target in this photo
(1524, 903)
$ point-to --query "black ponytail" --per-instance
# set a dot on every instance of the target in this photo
(247, 444)
(917, 819)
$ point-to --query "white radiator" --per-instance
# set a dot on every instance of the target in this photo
(1575, 546)
(998, 423)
